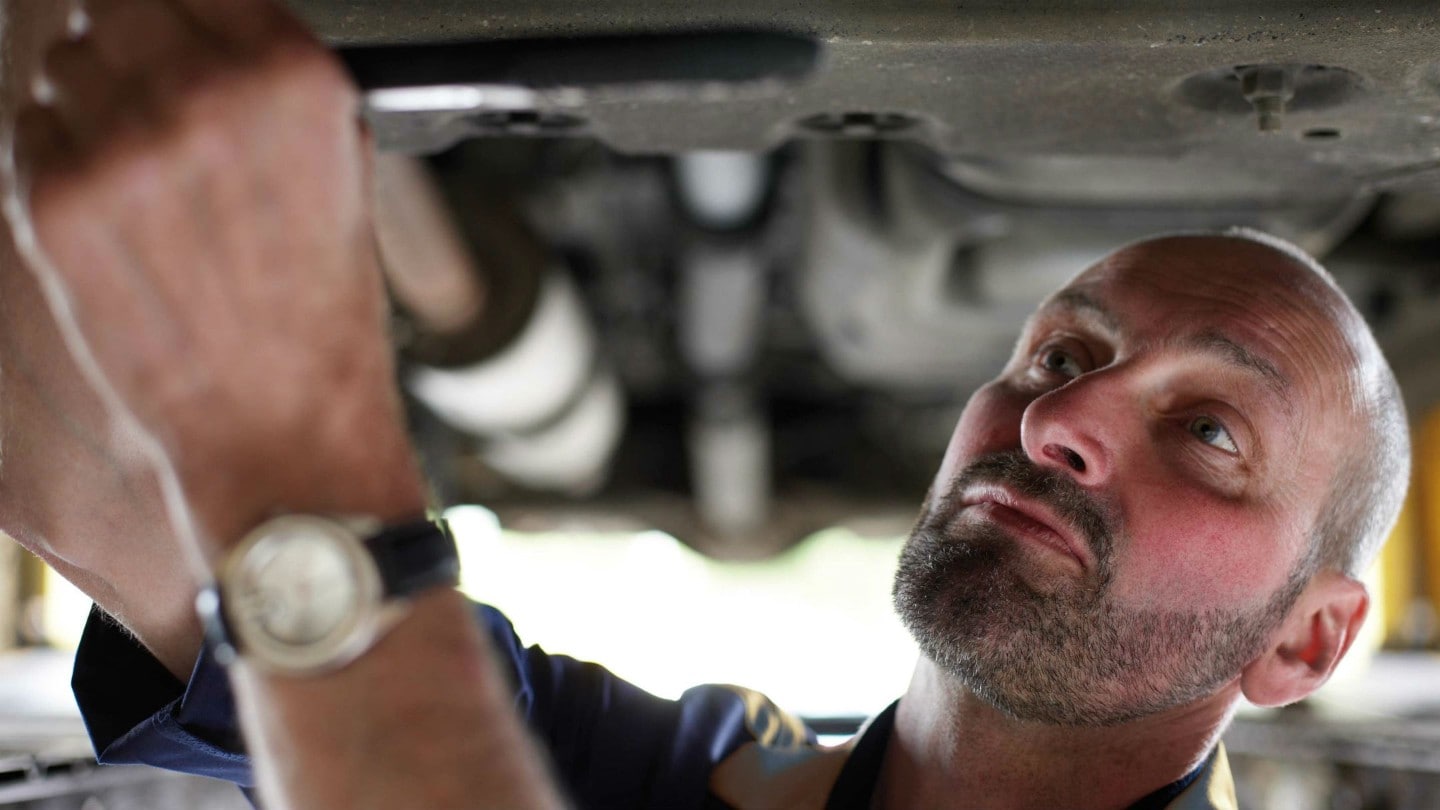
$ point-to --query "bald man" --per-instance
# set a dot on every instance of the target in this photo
(1162, 505)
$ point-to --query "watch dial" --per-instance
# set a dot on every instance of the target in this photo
(299, 588)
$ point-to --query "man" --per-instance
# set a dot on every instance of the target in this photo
(1161, 506)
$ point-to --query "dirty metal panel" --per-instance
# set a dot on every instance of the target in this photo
(1043, 102)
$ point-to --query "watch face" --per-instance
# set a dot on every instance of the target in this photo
(297, 589)
(302, 594)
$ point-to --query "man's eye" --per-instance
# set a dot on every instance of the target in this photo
(1209, 430)
(1059, 361)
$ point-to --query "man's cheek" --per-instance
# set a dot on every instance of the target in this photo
(989, 424)
(1182, 563)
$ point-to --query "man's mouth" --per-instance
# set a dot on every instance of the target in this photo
(1027, 518)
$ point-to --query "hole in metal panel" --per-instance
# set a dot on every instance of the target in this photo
(858, 124)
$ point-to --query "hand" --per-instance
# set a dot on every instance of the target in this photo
(73, 489)
(194, 203)
(194, 208)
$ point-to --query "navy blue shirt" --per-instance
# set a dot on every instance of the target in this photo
(613, 745)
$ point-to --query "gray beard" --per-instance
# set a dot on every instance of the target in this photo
(1071, 656)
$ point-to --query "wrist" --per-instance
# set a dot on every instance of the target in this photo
(436, 704)
(375, 476)
(305, 595)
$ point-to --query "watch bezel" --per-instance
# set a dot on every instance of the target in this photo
(345, 642)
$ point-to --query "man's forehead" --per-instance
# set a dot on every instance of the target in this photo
(1211, 279)
(1247, 304)
(1204, 261)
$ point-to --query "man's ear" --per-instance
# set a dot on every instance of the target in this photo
(1308, 645)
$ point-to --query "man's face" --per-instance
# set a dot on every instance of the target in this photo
(1124, 515)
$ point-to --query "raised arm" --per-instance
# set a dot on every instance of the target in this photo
(191, 202)
(73, 489)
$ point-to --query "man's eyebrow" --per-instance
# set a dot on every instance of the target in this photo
(1215, 343)
(1078, 301)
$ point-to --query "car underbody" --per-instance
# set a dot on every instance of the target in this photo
(789, 240)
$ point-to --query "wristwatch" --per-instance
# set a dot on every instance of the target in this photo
(305, 594)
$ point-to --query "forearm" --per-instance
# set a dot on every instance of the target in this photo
(438, 716)
(72, 491)
(427, 702)
(238, 336)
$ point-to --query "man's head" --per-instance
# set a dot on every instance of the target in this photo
(1171, 488)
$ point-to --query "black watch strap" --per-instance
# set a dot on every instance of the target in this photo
(415, 556)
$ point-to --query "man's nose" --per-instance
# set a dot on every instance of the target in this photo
(1076, 429)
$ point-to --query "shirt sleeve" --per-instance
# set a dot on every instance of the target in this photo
(612, 744)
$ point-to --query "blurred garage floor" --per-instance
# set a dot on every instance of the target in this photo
(45, 758)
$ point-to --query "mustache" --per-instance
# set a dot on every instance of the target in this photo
(1097, 523)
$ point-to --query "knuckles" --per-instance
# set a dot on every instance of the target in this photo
(182, 121)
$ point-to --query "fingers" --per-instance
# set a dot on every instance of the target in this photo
(39, 139)
(129, 65)
(131, 35)
(241, 26)
(84, 94)
(130, 55)
(119, 56)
